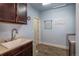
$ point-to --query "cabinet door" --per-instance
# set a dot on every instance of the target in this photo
(26, 50)
(21, 13)
(7, 12)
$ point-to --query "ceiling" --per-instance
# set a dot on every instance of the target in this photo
(40, 7)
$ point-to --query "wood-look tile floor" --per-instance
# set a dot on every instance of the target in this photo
(45, 50)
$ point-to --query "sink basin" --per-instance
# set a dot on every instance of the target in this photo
(15, 43)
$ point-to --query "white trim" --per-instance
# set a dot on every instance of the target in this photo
(59, 46)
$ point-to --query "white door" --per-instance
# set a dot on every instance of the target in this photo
(36, 26)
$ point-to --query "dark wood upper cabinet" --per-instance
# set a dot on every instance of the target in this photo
(13, 13)
(21, 13)
(7, 12)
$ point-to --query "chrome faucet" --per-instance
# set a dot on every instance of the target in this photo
(12, 34)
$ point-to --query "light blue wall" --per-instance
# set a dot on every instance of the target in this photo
(59, 31)
(24, 30)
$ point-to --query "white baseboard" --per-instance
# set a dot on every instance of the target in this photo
(55, 45)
